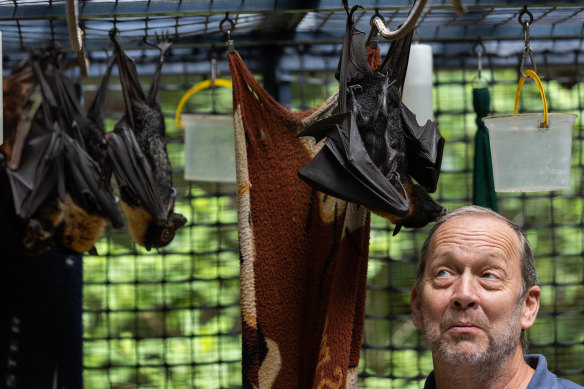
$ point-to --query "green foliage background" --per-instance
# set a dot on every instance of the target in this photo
(171, 319)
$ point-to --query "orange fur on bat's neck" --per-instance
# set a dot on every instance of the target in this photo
(81, 229)
(138, 221)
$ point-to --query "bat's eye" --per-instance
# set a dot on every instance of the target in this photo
(166, 235)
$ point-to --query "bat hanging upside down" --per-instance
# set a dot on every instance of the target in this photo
(57, 187)
(374, 144)
(137, 150)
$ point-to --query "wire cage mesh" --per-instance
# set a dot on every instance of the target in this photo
(171, 318)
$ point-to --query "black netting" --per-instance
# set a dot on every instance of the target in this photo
(394, 352)
(171, 318)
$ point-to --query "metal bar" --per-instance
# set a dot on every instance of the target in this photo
(206, 7)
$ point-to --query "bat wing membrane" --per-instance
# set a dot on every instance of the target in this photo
(425, 146)
(133, 172)
(344, 169)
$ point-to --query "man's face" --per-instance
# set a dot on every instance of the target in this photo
(469, 303)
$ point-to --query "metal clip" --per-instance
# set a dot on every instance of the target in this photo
(373, 39)
(229, 44)
(479, 54)
(527, 49)
(212, 56)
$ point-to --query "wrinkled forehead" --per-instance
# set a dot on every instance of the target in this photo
(481, 235)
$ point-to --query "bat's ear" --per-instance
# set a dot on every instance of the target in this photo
(396, 229)
(178, 220)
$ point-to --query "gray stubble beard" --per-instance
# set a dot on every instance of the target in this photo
(499, 346)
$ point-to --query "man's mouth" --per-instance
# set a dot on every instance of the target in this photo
(463, 326)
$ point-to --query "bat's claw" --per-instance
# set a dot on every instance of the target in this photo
(164, 41)
(395, 179)
(353, 88)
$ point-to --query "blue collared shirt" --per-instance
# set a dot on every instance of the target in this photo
(542, 378)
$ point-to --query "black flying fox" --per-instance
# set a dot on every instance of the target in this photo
(137, 150)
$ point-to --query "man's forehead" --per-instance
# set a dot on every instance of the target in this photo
(476, 232)
(478, 223)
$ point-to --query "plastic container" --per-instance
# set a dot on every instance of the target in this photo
(417, 91)
(531, 152)
(209, 148)
(209, 140)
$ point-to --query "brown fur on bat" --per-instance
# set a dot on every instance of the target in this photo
(57, 188)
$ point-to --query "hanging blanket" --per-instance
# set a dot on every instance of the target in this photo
(303, 254)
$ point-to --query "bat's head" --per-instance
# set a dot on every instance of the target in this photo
(148, 231)
(159, 235)
(423, 209)
(38, 237)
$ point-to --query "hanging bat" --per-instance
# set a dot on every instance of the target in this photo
(89, 130)
(374, 146)
(139, 158)
(57, 189)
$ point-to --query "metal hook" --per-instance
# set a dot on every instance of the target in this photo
(230, 45)
(525, 12)
(376, 15)
(405, 28)
(373, 38)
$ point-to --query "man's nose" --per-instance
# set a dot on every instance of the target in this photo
(464, 294)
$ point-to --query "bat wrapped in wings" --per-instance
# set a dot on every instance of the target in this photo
(374, 145)
(137, 150)
(57, 188)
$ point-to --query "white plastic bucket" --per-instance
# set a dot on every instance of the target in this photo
(209, 148)
(527, 158)
(531, 152)
(209, 141)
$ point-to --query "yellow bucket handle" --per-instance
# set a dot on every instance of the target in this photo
(532, 74)
(197, 88)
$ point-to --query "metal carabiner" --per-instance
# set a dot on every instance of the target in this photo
(527, 49)
(479, 54)
(229, 43)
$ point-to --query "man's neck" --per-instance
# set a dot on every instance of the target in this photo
(512, 372)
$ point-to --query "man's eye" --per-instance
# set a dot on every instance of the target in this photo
(490, 276)
(443, 273)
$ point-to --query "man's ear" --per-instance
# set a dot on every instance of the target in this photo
(530, 307)
(416, 305)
